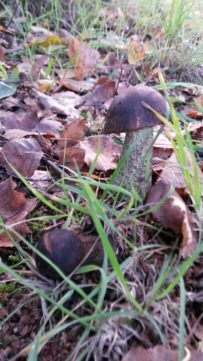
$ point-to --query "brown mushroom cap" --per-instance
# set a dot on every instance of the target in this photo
(64, 248)
(128, 112)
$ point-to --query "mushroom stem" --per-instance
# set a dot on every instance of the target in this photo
(135, 172)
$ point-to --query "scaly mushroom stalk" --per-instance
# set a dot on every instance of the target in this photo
(135, 172)
(131, 112)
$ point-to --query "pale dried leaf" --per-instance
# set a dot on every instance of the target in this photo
(61, 103)
(108, 151)
(78, 86)
(40, 180)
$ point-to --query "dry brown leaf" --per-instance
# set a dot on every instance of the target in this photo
(72, 157)
(23, 154)
(103, 90)
(14, 208)
(174, 214)
(72, 133)
(83, 57)
(108, 151)
(172, 170)
(160, 353)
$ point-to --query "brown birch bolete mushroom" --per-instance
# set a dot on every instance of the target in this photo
(67, 250)
(64, 248)
(130, 113)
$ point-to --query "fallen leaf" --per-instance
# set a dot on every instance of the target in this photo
(72, 133)
(33, 69)
(28, 122)
(23, 154)
(40, 180)
(78, 86)
(44, 85)
(172, 170)
(61, 103)
(72, 157)
(83, 57)
(174, 214)
(161, 353)
(162, 149)
(136, 50)
(103, 90)
(19, 120)
(14, 208)
(101, 145)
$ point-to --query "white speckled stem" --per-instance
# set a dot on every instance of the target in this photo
(135, 172)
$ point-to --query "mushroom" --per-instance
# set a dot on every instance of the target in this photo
(67, 251)
(130, 113)
(64, 248)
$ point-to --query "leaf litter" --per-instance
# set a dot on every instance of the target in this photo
(41, 124)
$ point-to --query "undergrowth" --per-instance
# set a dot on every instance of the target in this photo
(139, 284)
(131, 291)
(173, 27)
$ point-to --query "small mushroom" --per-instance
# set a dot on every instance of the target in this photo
(67, 251)
(64, 248)
(130, 113)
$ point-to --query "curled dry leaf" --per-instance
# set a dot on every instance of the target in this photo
(83, 57)
(172, 170)
(103, 90)
(174, 214)
(23, 154)
(108, 151)
(14, 208)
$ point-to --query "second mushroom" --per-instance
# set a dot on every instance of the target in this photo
(130, 113)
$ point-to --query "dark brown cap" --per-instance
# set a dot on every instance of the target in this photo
(129, 112)
(62, 247)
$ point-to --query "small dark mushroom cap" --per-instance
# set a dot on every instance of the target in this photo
(64, 248)
(128, 112)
